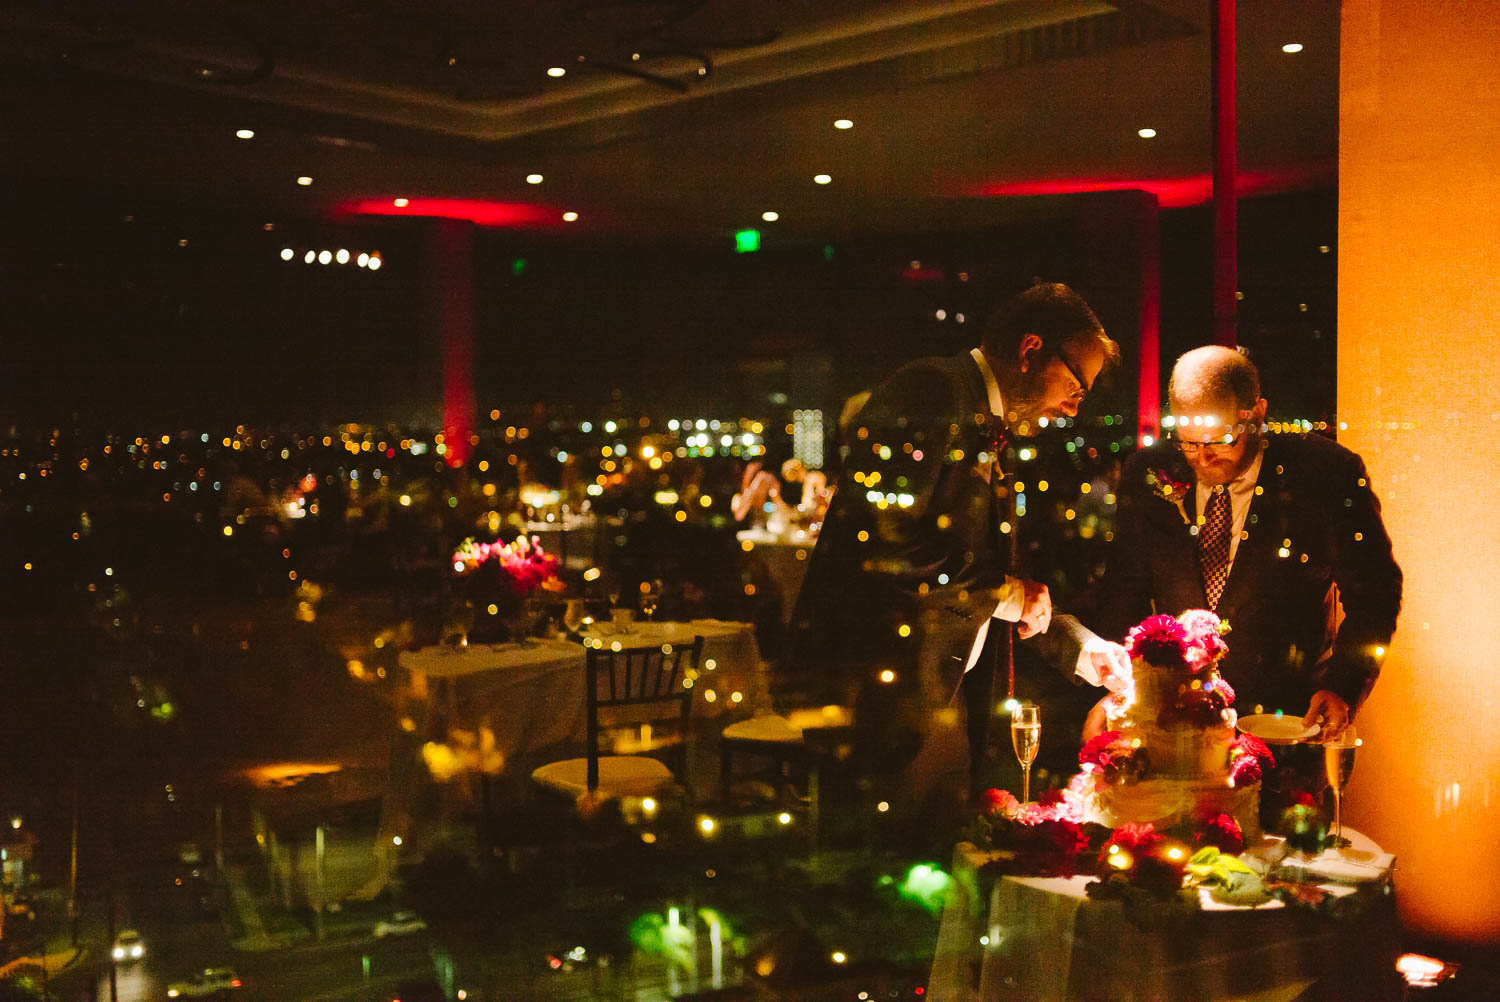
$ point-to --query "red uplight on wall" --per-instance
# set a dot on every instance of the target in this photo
(1171, 192)
(509, 215)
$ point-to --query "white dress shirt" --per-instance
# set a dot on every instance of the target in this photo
(1241, 493)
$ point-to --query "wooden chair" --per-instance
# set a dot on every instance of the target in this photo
(647, 676)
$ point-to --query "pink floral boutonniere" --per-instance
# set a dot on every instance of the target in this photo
(1171, 490)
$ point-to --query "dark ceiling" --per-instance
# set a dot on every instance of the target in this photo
(673, 122)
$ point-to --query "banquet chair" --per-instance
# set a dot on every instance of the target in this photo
(804, 738)
(647, 683)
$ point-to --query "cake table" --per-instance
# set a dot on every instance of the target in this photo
(1042, 938)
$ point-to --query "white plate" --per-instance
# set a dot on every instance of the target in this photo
(1277, 730)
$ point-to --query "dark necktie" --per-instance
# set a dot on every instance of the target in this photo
(1213, 545)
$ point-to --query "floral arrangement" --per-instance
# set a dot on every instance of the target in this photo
(523, 566)
(1249, 758)
(1193, 642)
(1113, 758)
(1048, 838)
(1169, 489)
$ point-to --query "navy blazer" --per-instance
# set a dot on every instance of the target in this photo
(1314, 591)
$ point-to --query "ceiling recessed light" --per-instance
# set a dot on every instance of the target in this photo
(325, 257)
(843, 123)
(304, 180)
(770, 216)
(245, 134)
(1292, 47)
(402, 203)
(556, 71)
(1146, 133)
(533, 179)
(570, 217)
(821, 178)
(342, 257)
(287, 253)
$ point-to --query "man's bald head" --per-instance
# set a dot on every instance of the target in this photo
(1213, 376)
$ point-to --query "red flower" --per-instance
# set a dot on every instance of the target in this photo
(1244, 771)
(999, 802)
(1159, 641)
(1204, 640)
(1301, 798)
(1249, 744)
(1222, 832)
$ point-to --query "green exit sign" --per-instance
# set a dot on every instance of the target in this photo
(746, 241)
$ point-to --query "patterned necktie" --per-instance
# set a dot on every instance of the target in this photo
(1213, 545)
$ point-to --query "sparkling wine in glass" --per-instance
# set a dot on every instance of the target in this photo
(1338, 763)
(1026, 738)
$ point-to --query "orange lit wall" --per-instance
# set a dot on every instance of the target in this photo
(1419, 387)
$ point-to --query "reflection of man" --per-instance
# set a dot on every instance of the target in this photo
(917, 554)
(1279, 534)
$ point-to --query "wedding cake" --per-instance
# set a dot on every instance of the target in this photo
(1171, 754)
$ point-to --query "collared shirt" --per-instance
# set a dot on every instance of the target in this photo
(1241, 493)
(991, 384)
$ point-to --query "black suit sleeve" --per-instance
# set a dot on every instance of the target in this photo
(1368, 581)
(924, 513)
(1126, 589)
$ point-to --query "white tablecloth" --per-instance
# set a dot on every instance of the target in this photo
(532, 697)
(1041, 939)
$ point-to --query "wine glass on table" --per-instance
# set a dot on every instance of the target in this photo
(1026, 738)
(1338, 763)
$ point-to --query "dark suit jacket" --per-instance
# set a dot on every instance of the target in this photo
(1315, 545)
(913, 538)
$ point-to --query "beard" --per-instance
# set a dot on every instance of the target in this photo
(1024, 398)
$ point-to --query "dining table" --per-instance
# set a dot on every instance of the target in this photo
(1042, 939)
(784, 558)
(530, 696)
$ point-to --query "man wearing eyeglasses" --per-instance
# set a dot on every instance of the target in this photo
(917, 560)
(1280, 535)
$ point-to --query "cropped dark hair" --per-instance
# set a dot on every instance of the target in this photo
(1054, 313)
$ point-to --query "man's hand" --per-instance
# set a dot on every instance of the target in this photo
(1105, 663)
(1331, 710)
(1036, 610)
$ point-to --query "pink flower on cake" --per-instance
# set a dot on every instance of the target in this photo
(1159, 641)
(1204, 638)
(1244, 771)
(1111, 756)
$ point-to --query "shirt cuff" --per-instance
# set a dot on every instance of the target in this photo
(1012, 599)
(1085, 668)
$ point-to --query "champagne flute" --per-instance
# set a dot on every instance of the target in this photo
(1026, 738)
(1338, 763)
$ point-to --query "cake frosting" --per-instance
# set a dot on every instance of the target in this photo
(1170, 754)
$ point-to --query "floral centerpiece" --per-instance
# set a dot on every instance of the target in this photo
(501, 580)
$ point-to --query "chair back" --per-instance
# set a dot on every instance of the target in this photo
(636, 676)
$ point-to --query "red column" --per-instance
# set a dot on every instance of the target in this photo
(1119, 255)
(1226, 262)
(449, 258)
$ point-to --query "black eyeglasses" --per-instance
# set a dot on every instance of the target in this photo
(1083, 386)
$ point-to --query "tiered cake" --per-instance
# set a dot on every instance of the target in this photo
(1171, 753)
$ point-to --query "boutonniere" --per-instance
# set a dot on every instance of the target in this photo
(1171, 490)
